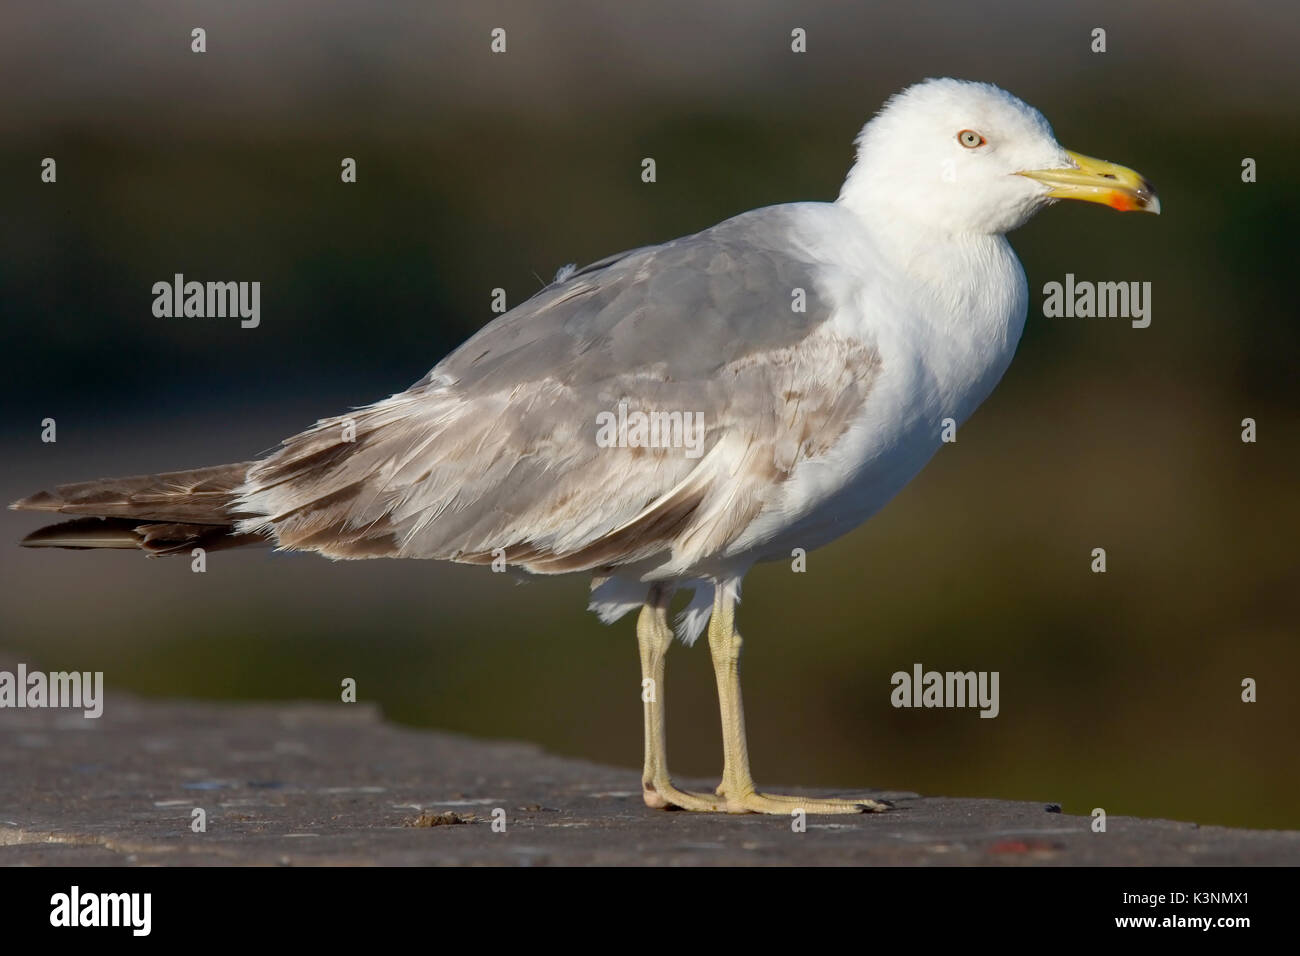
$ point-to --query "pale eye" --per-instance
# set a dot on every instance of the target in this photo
(970, 139)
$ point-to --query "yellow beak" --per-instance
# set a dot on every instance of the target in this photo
(1095, 180)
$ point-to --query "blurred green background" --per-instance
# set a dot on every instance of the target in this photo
(477, 170)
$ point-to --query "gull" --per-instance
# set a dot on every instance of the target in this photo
(664, 419)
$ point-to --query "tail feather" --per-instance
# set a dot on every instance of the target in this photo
(166, 513)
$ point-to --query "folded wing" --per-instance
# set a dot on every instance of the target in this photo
(499, 450)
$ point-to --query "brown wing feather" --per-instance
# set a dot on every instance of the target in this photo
(197, 496)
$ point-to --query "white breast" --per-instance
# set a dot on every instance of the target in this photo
(946, 323)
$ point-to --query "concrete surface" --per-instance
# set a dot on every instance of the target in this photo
(306, 784)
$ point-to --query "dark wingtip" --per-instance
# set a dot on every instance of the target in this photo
(41, 501)
(84, 534)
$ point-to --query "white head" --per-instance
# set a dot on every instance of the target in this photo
(952, 157)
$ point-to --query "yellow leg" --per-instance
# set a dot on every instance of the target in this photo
(654, 637)
(737, 787)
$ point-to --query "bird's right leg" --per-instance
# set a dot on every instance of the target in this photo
(654, 637)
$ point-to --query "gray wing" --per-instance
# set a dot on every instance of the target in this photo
(498, 451)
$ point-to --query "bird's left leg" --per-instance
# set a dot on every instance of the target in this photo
(654, 637)
(737, 787)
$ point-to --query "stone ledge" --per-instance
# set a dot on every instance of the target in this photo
(304, 784)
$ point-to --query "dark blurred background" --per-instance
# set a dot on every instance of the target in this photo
(477, 170)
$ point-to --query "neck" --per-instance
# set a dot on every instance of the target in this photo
(967, 288)
(945, 260)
